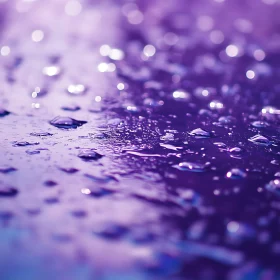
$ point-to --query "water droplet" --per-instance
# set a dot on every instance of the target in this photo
(260, 140)
(3, 112)
(236, 150)
(32, 152)
(274, 187)
(270, 113)
(167, 137)
(192, 166)
(102, 180)
(51, 200)
(236, 173)
(111, 231)
(79, 213)
(275, 162)
(41, 134)
(89, 154)
(7, 169)
(220, 145)
(97, 192)
(71, 108)
(200, 133)
(66, 122)
(50, 183)
(6, 191)
(24, 144)
(69, 170)
(259, 124)
(227, 120)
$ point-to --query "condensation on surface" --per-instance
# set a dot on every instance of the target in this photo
(139, 139)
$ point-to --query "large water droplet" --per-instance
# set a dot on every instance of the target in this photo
(260, 140)
(7, 169)
(259, 124)
(6, 191)
(66, 122)
(89, 154)
(24, 144)
(200, 133)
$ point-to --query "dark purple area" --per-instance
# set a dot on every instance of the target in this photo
(139, 139)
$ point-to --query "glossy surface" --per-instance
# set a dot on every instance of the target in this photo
(139, 140)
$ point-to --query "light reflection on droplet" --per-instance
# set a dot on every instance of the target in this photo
(73, 8)
(205, 23)
(106, 67)
(232, 226)
(232, 50)
(105, 50)
(98, 98)
(217, 37)
(259, 55)
(35, 105)
(149, 50)
(181, 94)
(116, 54)
(76, 89)
(51, 71)
(215, 104)
(85, 191)
(5, 50)
(135, 17)
(37, 36)
(120, 86)
(170, 38)
(250, 74)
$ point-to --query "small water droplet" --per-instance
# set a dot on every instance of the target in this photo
(71, 108)
(3, 112)
(274, 187)
(236, 173)
(50, 183)
(41, 134)
(192, 166)
(227, 120)
(33, 152)
(111, 231)
(69, 170)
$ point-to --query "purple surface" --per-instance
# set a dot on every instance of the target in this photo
(139, 140)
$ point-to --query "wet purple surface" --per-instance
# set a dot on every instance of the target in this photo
(139, 139)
